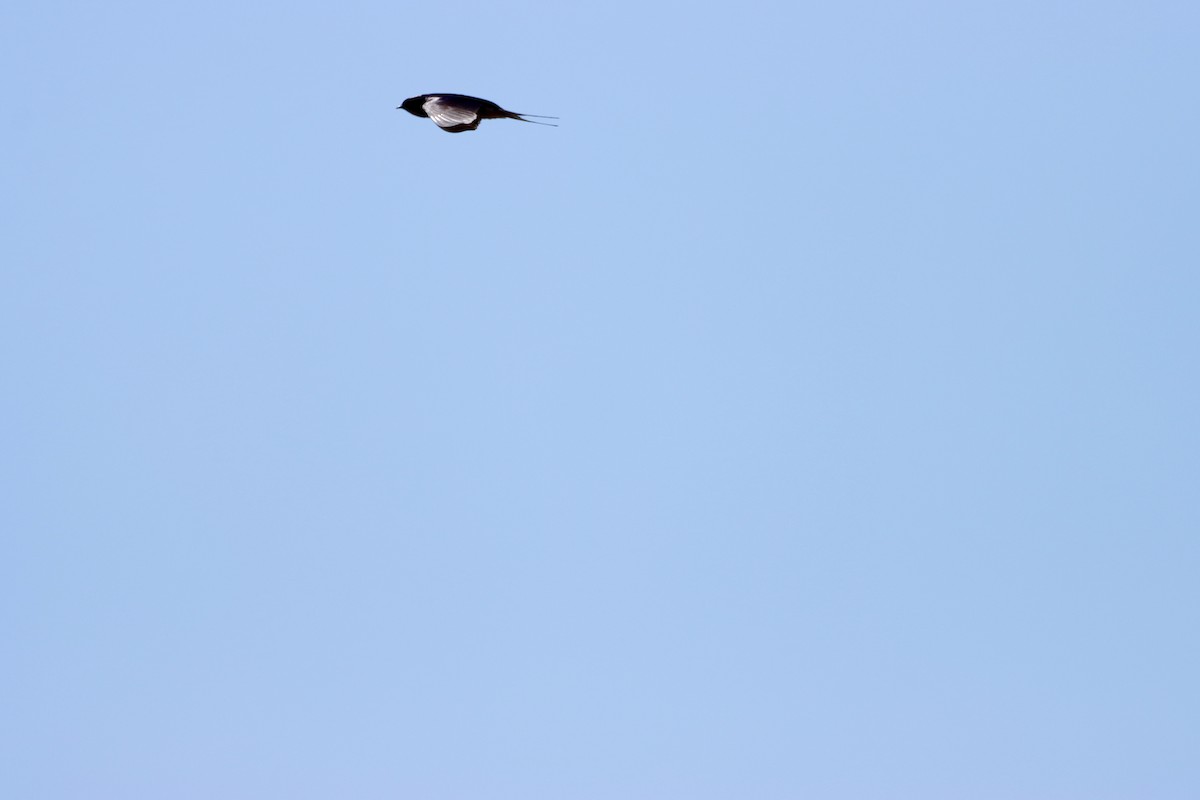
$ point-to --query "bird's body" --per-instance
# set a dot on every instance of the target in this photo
(455, 113)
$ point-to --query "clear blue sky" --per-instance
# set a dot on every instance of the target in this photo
(812, 415)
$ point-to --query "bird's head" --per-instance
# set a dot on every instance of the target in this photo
(414, 105)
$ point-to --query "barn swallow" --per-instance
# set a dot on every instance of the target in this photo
(455, 113)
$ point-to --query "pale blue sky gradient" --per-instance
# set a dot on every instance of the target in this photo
(812, 415)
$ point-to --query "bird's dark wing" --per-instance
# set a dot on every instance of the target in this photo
(452, 113)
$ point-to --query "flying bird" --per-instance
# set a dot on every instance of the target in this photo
(455, 113)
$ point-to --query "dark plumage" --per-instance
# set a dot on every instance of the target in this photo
(455, 113)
